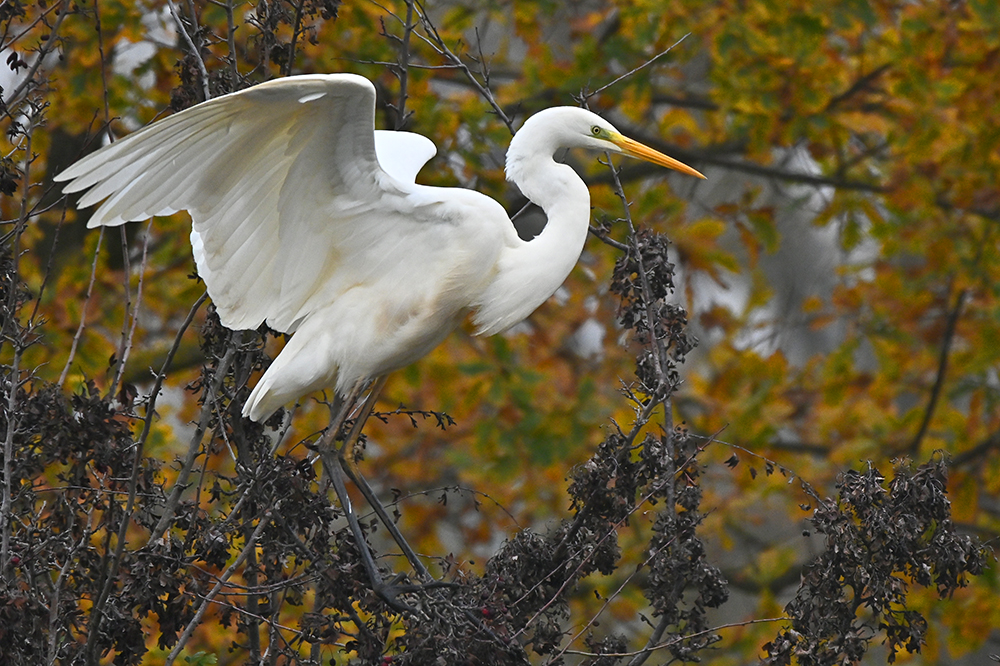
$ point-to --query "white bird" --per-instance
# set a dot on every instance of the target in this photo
(307, 218)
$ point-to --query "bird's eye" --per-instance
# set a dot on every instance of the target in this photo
(595, 130)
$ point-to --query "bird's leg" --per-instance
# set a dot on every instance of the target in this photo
(344, 463)
(348, 461)
(350, 445)
(387, 592)
(340, 410)
(362, 484)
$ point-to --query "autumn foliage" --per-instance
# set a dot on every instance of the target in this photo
(760, 421)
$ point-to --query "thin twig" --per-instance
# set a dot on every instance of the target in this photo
(652, 642)
(93, 276)
(111, 572)
(606, 239)
(17, 341)
(460, 489)
(127, 284)
(638, 505)
(28, 80)
(126, 346)
(83, 311)
(593, 551)
(54, 606)
(226, 575)
(942, 370)
(640, 67)
(607, 602)
(660, 646)
(231, 41)
(403, 68)
(438, 44)
(26, 29)
(195, 51)
(656, 345)
(194, 445)
(154, 392)
(296, 27)
(47, 274)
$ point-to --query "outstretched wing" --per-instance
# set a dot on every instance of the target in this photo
(282, 183)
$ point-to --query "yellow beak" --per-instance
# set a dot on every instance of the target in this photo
(644, 152)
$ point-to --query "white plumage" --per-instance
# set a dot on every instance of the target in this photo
(308, 219)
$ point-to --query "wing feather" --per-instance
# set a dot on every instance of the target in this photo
(123, 160)
(403, 154)
(282, 182)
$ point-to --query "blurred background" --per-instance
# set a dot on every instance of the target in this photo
(839, 267)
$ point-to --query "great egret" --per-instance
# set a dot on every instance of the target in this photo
(307, 218)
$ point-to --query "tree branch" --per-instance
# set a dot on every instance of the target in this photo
(226, 575)
(587, 96)
(942, 371)
(195, 51)
(438, 43)
(180, 484)
(29, 79)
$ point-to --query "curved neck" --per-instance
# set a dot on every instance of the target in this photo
(528, 272)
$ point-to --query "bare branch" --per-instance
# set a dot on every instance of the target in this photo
(942, 370)
(296, 28)
(10, 329)
(26, 29)
(435, 39)
(402, 69)
(195, 51)
(154, 392)
(607, 602)
(679, 639)
(631, 72)
(125, 349)
(231, 40)
(29, 79)
(226, 575)
(83, 311)
(194, 445)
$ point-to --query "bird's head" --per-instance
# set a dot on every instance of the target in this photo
(572, 127)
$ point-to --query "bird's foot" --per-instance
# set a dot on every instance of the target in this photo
(391, 590)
